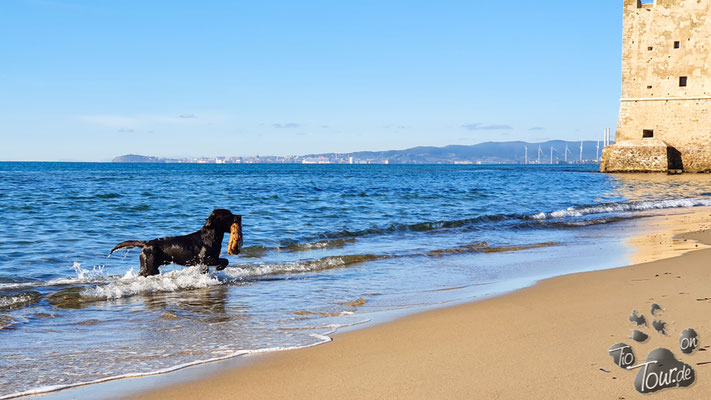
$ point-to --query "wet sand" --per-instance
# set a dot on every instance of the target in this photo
(548, 341)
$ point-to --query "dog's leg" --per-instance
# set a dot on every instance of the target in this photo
(222, 263)
(149, 262)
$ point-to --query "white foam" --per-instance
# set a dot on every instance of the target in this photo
(130, 284)
(113, 286)
(314, 245)
(623, 207)
(256, 270)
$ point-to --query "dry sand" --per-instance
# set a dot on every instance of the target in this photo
(548, 341)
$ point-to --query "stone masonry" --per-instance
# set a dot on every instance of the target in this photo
(666, 89)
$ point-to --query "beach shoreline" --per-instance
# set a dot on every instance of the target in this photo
(662, 236)
(549, 340)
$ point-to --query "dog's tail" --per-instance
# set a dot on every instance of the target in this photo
(129, 244)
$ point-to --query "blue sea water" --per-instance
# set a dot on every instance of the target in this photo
(324, 246)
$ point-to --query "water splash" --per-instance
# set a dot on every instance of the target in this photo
(130, 284)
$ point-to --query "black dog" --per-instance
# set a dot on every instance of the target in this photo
(199, 248)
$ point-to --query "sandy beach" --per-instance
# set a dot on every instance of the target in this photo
(543, 342)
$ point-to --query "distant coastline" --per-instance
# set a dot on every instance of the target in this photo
(550, 152)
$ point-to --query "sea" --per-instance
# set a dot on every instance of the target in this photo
(326, 247)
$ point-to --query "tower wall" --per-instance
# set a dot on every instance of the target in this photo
(666, 86)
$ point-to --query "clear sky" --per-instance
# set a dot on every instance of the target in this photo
(90, 80)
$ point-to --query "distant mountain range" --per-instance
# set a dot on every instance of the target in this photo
(483, 153)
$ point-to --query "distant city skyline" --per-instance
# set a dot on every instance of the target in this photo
(516, 152)
(86, 80)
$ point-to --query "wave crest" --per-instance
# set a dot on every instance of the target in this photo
(622, 207)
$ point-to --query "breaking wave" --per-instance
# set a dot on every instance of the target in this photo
(571, 217)
(571, 212)
(193, 278)
(622, 207)
(131, 284)
(321, 264)
(480, 222)
(190, 278)
(94, 285)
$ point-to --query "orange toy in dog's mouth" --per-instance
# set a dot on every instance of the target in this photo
(235, 239)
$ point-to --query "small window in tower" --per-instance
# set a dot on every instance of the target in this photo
(677, 45)
(648, 133)
(649, 86)
(682, 81)
(650, 48)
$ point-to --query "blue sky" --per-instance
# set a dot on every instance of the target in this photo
(90, 80)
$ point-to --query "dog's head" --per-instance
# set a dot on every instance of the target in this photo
(224, 221)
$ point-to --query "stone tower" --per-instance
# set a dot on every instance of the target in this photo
(665, 109)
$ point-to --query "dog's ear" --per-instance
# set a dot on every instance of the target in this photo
(210, 221)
